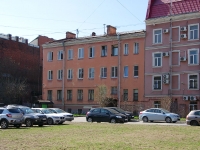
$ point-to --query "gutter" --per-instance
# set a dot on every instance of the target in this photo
(63, 77)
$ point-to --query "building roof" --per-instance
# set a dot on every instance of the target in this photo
(161, 8)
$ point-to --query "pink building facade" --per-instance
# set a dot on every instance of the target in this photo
(172, 46)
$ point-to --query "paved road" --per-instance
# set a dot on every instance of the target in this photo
(179, 123)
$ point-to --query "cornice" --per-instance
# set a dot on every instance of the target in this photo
(174, 18)
(173, 73)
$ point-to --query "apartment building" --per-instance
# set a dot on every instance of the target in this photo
(172, 54)
(74, 67)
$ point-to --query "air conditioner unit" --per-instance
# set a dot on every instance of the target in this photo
(166, 76)
(185, 98)
(193, 98)
(166, 31)
(183, 36)
(183, 28)
(183, 59)
(166, 81)
(165, 54)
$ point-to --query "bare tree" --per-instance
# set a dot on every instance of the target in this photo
(166, 103)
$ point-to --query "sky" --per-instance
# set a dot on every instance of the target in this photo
(53, 18)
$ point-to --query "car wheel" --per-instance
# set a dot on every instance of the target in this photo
(29, 123)
(4, 124)
(49, 121)
(89, 119)
(17, 125)
(194, 123)
(113, 120)
(145, 119)
(168, 120)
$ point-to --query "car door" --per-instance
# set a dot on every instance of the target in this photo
(197, 116)
(150, 114)
(105, 115)
(159, 115)
(96, 114)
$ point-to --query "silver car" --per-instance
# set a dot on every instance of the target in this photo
(10, 116)
(158, 114)
(52, 118)
(68, 116)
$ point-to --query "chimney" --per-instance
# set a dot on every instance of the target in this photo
(111, 30)
(93, 34)
(70, 35)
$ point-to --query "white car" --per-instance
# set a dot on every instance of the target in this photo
(158, 114)
(52, 118)
(68, 116)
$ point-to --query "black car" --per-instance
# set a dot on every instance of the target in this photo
(127, 113)
(30, 118)
(105, 115)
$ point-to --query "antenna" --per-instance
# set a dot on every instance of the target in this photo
(104, 26)
(77, 32)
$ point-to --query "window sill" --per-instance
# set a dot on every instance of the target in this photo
(91, 57)
(80, 78)
(80, 58)
(113, 77)
(50, 60)
(59, 79)
(90, 100)
(194, 89)
(125, 76)
(156, 43)
(103, 77)
(103, 56)
(157, 89)
(70, 59)
(157, 67)
(136, 76)
(69, 79)
(135, 53)
(125, 54)
(69, 100)
(59, 59)
(50, 79)
(193, 39)
(193, 64)
(90, 78)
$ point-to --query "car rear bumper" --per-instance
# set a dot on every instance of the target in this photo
(15, 121)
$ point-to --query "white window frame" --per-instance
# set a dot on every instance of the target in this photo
(80, 53)
(103, 72)
(189, 32)
(70, 54)
(136, 48)
(126, 49)
(60, 55)
(80, 72)
(91, 73)
(154, 85)
(193, 79)
(125, 72)
(69, 74)
(114, 72)
(197, 55)
(50, 56)
(156, 36)
(91, 52)
(50, 75)
(153, 55)
(60, 74)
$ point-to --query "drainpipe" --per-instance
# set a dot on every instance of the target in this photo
(63, 77)
(119, 71)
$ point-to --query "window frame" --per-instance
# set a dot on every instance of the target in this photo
(125, 76)
(114, 90)
(80, 53)
(69, 74)
(136, 48)
(50, 75)
(126, 49)
(197, 82)
(50, 56)
(136, 71)
(157, 89)
(189, 32)
(153, 55)
(79, 94)
(70, 54)
(197, 56)
(156, 34)
(114, 72)
(114, 52)
(91, 94)
(59, 74)
(91, 51)
(104, 50)
(60, 55)
(103, 72)
(69, 95)
(59, 95)
(125, 94)
(79, 73)
(91, 73)
(49, 95)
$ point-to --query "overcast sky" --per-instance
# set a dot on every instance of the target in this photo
(53, 18)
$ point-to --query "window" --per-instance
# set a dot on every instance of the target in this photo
(70, 54)
(157, 104)
(113, 90)
(91, 73)
(59, 94)
(157, 59)
(125, 71)
(125, 94)
(114, 72)
(193, 56)
(103, 72)
(193, 81)
(49, 95)
(50, 75)
(50, 56)
(136, 71)
(80, 53)
(114, 50)
(157, 83)
(193, 32)
(103, 51)
(60, 55)
(136, 48)
(80, 94)
(135, 94)
(157, 36)
(80, 73)
(90, 94)
(60, 74)
(69, 94)
(125, 49)
(69, 74)
(91, 52)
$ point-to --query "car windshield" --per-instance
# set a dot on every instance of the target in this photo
(27, 110)
(59, 111)
(119, 109)
(165, 111)
(113, 111)
(47, 111)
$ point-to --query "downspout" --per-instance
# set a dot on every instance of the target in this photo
(63, 77)
(119, 71)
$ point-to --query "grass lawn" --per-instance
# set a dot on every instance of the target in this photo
(102, 136)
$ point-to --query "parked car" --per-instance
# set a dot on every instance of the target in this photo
(30, 118)
(10, 116)
(105, 115)
(127, 113)
(68, 116)
(52, 118)
(158, 114)
(193, 118)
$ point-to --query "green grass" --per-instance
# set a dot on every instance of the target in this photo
(101, 136)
